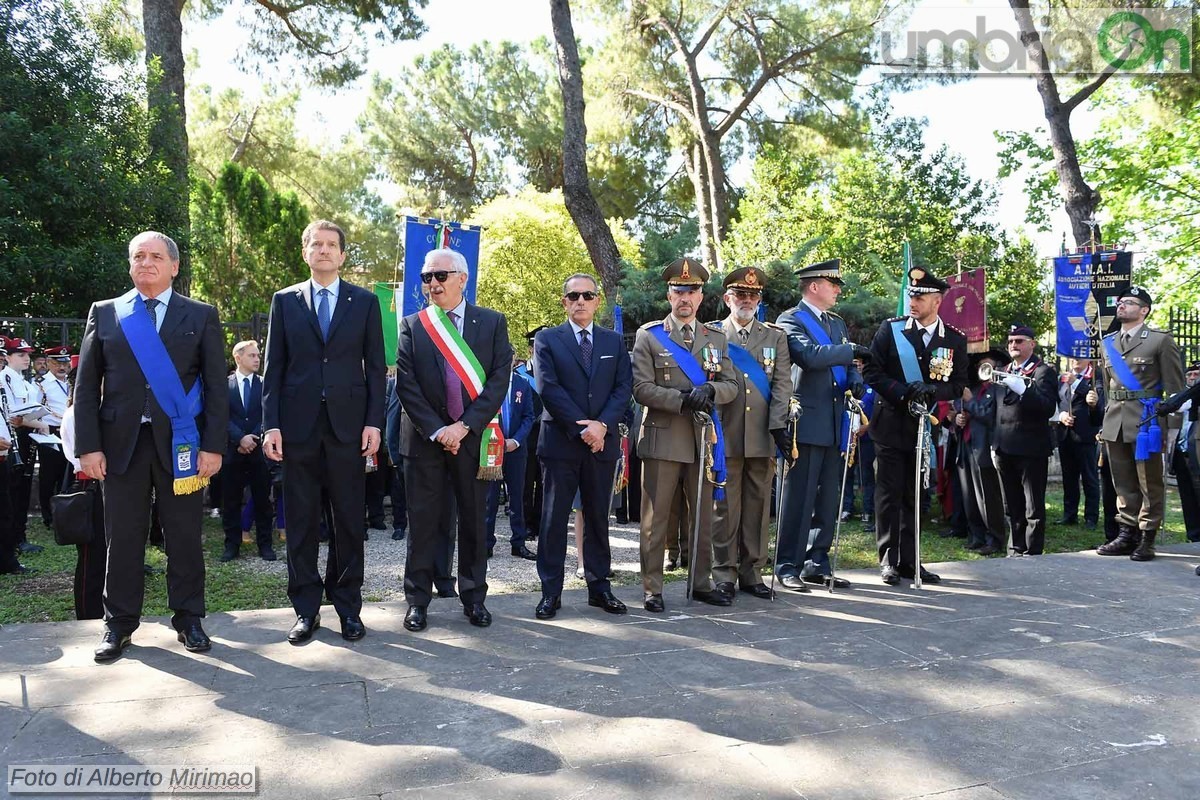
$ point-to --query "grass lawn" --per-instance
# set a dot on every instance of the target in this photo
(46, 596)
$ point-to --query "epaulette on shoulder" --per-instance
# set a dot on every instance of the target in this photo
(896, 319)
(650, 324)
(772, 325)
(714, 326)
(834, 314)
(956, 330)
(1158, 330)
(39, 379)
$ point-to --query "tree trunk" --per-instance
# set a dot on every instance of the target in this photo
(698, 175)
(163, 28)
(1080, 199)
(581, 203)
(718, 200)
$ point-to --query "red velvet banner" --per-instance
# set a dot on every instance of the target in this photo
(965, 307)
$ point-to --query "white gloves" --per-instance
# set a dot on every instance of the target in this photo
(1015, 384)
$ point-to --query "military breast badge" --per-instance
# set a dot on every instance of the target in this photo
(941, 364)
(768, 359)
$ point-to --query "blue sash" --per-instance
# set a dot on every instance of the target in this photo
(748, 365)
(1149, 438)
(908, 356)
(182, 408)
(817, 331)
(692, 370)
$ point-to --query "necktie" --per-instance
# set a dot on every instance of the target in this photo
(246, 395)
(687, 335)
(151, 306)
(454, 402)
(744, 335)
(323, 313)
(585, 349)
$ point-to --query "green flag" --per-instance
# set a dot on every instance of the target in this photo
(902, 301)
(389, 303)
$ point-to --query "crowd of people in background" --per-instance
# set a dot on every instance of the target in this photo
(698, 433)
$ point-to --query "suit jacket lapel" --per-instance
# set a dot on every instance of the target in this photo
(306, 307)
(341, 309)
(176, 311)
(572, 345)
(235, 386)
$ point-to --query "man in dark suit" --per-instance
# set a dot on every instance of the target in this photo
(585, 380)
(452, 366)
(516, 418)
(1183, 450)
(914, 359)
(1024, 440)
(154, 422)
(1078, 424)
(823, 356)
(395, 463)
(244, 463)
(323, 410)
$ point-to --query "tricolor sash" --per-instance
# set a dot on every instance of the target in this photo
(817, 331)
(180, 407)
(748, 365)
(462, 360)
(692, 370)
(1149, 438)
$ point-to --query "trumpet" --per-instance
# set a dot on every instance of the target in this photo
(987, 372)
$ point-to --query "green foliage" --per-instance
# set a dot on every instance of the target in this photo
(528, 247)
(860, 206)
(73, 172)
(246, 241)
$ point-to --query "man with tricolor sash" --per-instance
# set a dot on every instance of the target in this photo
(1140, 364)
(150, 421)
(753, 423)
(324, 411)
(452, 373)
(680, 368)
(823, 366)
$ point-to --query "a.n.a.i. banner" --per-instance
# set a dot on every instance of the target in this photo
(965, 307)
(422, 235)
(1086, 287)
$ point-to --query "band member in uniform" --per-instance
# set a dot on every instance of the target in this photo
(916, 358)
(1078, 425)
(975, 427)
(1140, 364)
(55, 390)
(680, 367)
(753, 424)
(824, 357)
(452, 366)
(585, 380)
(9, 563)
(1024, 441)
(21, 394)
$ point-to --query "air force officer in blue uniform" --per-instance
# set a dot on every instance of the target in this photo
(585, 380)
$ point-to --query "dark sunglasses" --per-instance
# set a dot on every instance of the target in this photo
(440, 275)
(573, 296)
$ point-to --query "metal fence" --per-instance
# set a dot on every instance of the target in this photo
(51, 331)
(1184, 325)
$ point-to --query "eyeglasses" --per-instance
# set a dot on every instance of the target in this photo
(438, 275)
(573, 296)
(1128, 302)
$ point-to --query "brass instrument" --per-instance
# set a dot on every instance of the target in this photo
(987, 372)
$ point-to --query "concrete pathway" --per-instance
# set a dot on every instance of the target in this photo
(1065, 676)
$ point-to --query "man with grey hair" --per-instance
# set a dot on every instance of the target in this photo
(150, 421)
(452, 366)
(244, 462)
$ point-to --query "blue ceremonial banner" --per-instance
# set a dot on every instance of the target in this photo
(422, 235)
(1086, 286)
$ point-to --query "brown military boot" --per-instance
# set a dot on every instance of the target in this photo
(1145, 548)
(1124, 545)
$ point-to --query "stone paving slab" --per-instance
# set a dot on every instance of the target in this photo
(1066, 676)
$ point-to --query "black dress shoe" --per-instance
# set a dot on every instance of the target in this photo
(654, 602)
(759, 590)
(353, 629)
(304, 628)
(988, 550)
(712, 598)
(521, 551)
(111, 646)
(398, 535)
(478, 615)
(489, 552)
(415, 619)
(548, 607)
(17, 568)
(608, 601)
(267, 553)
(231, 552)
(194, 639)
(1067, 521)
(889, 575)
(794, 582)
(823, 580)
(1198, 571)
(725, 587)
(27, 547)
(926, 575)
